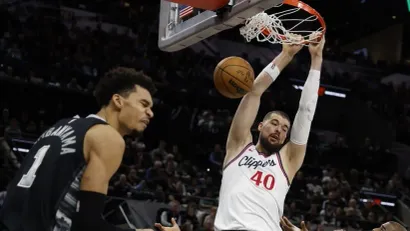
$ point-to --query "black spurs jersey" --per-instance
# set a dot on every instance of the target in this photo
(43, 194)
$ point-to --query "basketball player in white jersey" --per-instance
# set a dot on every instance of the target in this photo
(256, 178)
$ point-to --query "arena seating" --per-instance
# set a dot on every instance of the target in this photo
(48, 71)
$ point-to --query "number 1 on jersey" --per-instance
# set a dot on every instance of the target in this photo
(268, 180)
(27, 180)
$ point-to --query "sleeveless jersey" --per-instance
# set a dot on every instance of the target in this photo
(253, 191)
(42, 195)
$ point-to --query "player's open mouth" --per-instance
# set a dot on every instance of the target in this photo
(274, 137)
(146, 122)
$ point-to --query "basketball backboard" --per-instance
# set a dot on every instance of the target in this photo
(175, 33)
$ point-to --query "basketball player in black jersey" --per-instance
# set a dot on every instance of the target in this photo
(63, 181)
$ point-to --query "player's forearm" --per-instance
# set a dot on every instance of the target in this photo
(270, 73)
(316, 63)
(307, 106)
(88, 216)
(282, 60)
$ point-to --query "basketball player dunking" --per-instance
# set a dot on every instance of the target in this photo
(64, 179)
(256, 178)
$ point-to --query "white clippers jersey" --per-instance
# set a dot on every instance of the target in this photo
(253, 191)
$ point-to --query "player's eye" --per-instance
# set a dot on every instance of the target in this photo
(145, 103)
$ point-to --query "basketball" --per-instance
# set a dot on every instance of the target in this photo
(233, 77)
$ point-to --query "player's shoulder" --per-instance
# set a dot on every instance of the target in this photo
(239, 146)
(103, 135)
(245, 147)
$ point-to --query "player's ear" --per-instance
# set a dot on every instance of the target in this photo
(260, 126)
(117, 100)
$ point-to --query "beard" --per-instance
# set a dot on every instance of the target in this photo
(269, 147)
(136, 134)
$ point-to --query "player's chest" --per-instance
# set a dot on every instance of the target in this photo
(263, 172)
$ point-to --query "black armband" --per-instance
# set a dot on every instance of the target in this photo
(89, 213)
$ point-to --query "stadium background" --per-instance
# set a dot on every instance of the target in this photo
(356, 173)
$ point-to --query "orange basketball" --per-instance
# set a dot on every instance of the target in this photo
(233, 77)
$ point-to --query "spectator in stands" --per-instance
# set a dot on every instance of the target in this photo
(176, 152)
(122, 186)
(132, 177)
(160, 152)
(189, 218)
(13, 129)
(352, 210)
(210, 219)
(372, 217)
(155, 175)
(170, 163)
(293, 212)
(172, 212)
(330, 206)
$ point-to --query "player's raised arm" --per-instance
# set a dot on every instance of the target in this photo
(295, 150)
(240, 131)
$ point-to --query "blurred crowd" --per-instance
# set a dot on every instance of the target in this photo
(46, 67)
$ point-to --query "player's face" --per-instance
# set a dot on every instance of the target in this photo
(273, 132)
(136, 111)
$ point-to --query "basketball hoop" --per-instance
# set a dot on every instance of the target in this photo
(271, 28)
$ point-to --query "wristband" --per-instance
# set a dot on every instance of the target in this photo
(272, 70)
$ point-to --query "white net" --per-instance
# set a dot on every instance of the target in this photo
(270, 28)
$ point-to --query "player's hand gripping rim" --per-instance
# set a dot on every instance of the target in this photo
(174, 227)
(294, 45)
(316, 45)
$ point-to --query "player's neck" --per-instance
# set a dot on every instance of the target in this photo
(260, 149)
(270, 150)
(110, 118)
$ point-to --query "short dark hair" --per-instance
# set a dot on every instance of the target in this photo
(121, 80)
(397, 226)
(281, 113)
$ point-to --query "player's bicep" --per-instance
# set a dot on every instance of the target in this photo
(245, 115)
(293, 156)
(106, 148)
(96, 176)
(240, 131)
(297, 153)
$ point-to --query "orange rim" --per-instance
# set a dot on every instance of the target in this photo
(305, 7)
